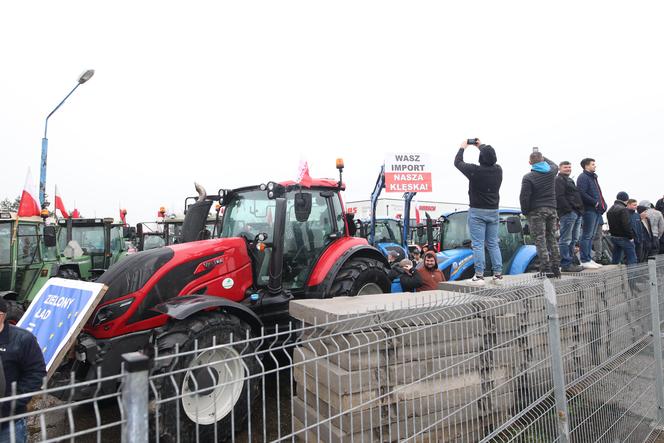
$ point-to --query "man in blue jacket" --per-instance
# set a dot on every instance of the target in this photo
(22, 364)
(594, 207)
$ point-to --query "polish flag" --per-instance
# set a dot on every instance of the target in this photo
(59, 205)
(303, 176)
(123, 216)
(29, 205)
(75, 213)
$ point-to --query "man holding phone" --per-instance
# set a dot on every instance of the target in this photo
(483, 190)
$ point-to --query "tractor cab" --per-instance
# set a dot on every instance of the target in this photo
(28, 254)
(89, 246)
(151, 235)
(456, 257)
(388, 235)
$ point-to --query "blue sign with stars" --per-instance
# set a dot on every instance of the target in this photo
(58, 311)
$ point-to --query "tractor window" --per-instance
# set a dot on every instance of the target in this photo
(117, 242)
(305, 241)
(28, 245)
(456, 231)
(152, 242)
(249, 214)
(5, 243)
(90, 238)
(339, 214)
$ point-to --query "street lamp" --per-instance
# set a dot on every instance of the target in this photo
(87, 75)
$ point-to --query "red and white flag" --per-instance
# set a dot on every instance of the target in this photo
(29, 205)
(75, 213)
(303, 176)
(123, 216)
(59, 205)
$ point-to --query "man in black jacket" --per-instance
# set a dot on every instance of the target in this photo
(538, 202)
(620, 227)
(483, 217)
(570, 212)
(23, 364)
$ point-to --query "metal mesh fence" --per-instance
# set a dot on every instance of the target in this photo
(533, 360)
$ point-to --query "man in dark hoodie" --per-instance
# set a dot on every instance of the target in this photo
(538, 202)
(621, 230)
(483, 189)
(570, 211)
(594, 207)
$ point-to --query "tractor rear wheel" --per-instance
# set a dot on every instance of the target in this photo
(15, 311)
(360, 276)
(206, 394)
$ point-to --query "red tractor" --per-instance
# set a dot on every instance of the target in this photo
(277, 242)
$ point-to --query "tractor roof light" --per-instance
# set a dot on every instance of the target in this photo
(44, 213)
(270, 194)
(5, 215)
(340, 163)
(271, 186)
(262, 187)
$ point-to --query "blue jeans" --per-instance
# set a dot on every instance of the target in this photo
(20, 432)
(483, 228)
(620, 245)
(591, 220)
(570, 226)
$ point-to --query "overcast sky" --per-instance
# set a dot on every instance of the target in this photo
(234, 93)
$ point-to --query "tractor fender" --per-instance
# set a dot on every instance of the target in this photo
(329, 265)
(8, 295)
(522, 258)
(184, 306)
(55, 269)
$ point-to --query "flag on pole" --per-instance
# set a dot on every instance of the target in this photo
(59, 204)
(75, 213)
(123, 216)
(303, 176)
(29, 205)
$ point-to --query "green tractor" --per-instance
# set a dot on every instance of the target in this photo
(28, 258)
(89, 246)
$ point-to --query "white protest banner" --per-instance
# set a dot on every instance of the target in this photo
(407, 173)
(58, 313)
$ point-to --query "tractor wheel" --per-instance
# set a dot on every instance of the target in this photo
(360, 276)
(68, 273)
(534, 265)
(204, 395)
(15, 311)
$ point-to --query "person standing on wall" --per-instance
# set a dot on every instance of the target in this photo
(622, 234)
(484, 182)
(570, 212)
(538, 203)
(594, 206)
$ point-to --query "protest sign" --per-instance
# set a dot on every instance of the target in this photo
(407, 173)
(58, 313)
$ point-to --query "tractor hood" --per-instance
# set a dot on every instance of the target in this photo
(454, 259)
(144, 268)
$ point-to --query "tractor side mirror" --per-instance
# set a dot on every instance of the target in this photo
(128, 232)
(420, 231)
(302, 206)
(514, 225)
(350, 222)
(526, 230)
(49, 236)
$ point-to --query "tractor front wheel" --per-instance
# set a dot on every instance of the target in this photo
(205, 390)
(360, 276)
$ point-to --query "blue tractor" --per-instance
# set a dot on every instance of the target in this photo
(387, 234)
(456, 256)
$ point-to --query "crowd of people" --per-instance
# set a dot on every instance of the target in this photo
(563, 215)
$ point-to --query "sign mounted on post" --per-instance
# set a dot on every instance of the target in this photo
(407, 173)
(58, 313)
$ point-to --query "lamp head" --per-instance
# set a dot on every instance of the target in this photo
(87, 75)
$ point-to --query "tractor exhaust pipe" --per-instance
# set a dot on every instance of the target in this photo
(196, 216)
(274, 286)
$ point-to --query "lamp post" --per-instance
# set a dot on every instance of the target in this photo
(87, 75)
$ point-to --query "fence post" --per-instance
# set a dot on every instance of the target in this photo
(562, 415)
(657, 338)
(135, 397)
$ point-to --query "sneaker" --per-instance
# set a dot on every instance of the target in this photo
(597, 265)
(477, 280)
(589, 265)
(572, 268)
(497, 279)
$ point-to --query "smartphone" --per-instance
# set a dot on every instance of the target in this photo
(471, 141)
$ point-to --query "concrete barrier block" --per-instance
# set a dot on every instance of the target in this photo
(366, 399)
(437, 333)
(436, 368)
(356, 421)
(331, 376)
(444, 349)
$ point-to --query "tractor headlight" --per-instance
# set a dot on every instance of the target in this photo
(111, 311)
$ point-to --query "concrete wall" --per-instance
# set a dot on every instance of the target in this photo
(386, 367)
